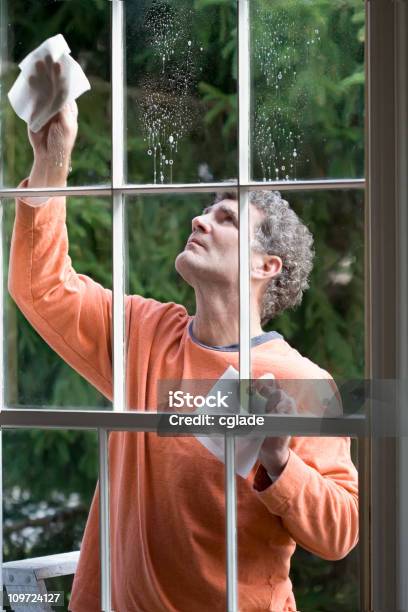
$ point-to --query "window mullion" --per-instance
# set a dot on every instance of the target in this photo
(118, 165)
(355, 425)
(130, 189)
(104, 523)
(118, 364)
(244, 297)
(231, 523)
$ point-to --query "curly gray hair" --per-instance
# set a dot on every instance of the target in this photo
(280, 233)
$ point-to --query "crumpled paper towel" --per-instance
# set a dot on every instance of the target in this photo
(246, 447)
(38, 94)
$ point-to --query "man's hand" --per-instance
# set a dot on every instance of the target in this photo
(56, 139)
(48, 86)
(53, 144)
(274, 453)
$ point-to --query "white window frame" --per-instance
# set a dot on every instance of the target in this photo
(383, 563)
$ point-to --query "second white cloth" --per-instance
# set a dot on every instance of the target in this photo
(246, 447)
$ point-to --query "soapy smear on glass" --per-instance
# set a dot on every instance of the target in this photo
(167, 105)
(277, 135)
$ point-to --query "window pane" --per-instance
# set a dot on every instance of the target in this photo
(163, 525)
(328, 325)
(169, 281)
(307, 61)
(58, 337)
(318, 239)
(181, 91)
(49, 483)
(26, 25)
(158, 228)
(297, 536)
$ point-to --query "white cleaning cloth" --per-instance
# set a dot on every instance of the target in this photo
(246, 447)
(40, 91)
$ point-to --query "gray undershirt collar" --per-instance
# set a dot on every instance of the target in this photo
(261, 339)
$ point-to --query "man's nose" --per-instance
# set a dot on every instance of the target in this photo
(201, 223)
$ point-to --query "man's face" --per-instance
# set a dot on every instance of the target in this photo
(211, 252)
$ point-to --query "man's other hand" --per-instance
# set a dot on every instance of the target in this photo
(274, 453)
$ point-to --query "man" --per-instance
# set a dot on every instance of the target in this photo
(167, 493)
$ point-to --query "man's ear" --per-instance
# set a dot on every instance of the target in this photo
(265, 266)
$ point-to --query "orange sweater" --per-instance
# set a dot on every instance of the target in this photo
(167, 494)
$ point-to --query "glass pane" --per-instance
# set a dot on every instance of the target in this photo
(57, 338)
(181, 91)
(163, 525)
(158, 228)
(328, 325)
(297, 536)
(307, 61)
(49, 483)
(23, 27)
(171, 279)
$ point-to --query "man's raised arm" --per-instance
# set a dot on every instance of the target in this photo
(69, 310)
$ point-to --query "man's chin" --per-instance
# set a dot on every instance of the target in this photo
(181, 264)
(180, 259)
(188, 255)
(186, 265)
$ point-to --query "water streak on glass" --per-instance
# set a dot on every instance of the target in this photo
(277, 127)
(165, 108)
(181, 91)
(308, 97)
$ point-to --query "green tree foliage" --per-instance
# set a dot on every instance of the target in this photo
(50, 476)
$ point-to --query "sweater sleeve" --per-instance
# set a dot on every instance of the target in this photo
(316, 496)
(70, 311)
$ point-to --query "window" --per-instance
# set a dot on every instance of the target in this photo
(164, 130)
